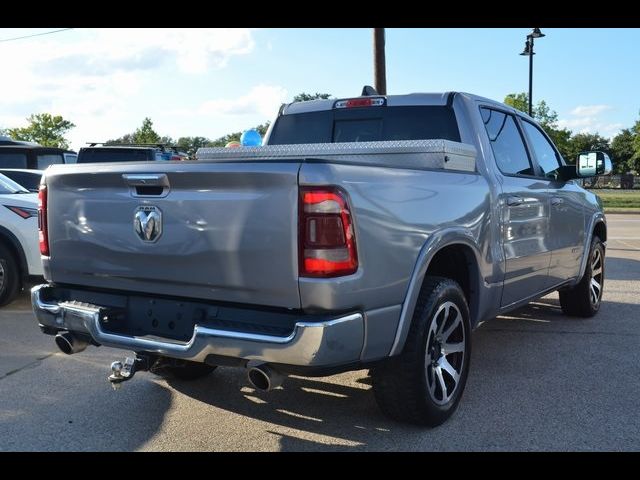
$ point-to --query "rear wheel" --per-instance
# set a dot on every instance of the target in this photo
(584, 299)
(423, 385)
(9, 277)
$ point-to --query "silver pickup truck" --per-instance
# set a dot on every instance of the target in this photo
(371, 232)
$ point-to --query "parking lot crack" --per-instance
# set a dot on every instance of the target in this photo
(35, 363)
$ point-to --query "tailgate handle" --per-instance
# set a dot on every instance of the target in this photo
(146, 179)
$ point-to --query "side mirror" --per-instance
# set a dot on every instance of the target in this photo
(591, 164)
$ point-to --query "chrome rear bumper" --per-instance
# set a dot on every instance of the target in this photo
(333, 342)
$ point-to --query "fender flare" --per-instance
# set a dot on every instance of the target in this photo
(596, 218)
(436, 242)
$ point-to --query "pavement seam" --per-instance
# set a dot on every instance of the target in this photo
(28, 365)
(562, 332)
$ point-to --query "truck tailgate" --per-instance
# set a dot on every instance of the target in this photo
(228, 230)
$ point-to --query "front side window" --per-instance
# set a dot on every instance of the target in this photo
(506, 143)
(542, 150)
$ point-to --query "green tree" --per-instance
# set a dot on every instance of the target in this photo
(547, 118)
(634, 162)
(46, 129)
(622, 151)
(146, 133)
(582, 142)
(190, 145)
(126, 139)
(304, 97)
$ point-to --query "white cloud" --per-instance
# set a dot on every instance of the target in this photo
(588, 119)
(589, 110)
(262, 99)
(93, 76)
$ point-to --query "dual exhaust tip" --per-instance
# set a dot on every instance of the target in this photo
(70, 344)
(262, 377)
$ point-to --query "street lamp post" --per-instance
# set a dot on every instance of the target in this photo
(528, 51)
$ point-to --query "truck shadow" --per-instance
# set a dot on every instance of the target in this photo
(305, 413)
(71, 407)
(340, 412)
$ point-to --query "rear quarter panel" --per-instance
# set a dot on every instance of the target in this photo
(395, 212)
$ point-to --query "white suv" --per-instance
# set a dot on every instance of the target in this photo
(19, 248)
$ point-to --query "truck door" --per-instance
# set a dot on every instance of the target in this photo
(524, 209)
(566, 220)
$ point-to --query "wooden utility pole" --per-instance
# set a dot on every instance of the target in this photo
(379, 68)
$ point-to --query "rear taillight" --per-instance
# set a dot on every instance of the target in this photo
(43, 233)
(327, 242)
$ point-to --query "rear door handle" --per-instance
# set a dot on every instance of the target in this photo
(515, 201)
(555, 201)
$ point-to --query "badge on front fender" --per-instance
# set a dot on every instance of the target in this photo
(147, 223)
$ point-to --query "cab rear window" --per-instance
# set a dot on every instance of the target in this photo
(366, 125)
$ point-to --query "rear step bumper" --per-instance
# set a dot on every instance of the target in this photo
(330, 342)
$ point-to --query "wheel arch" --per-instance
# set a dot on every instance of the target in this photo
(597, 226)
(450, 253)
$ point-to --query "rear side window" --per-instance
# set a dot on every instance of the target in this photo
(366, 125)
(13, 160)
(44, 160)
(506, 143)
(102, 155)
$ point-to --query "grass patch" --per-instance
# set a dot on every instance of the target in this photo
(619, 199)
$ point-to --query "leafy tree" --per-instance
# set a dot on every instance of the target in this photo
(582, 142)
(46, 129)
(190, 145)
(548, 120)
(634, 162)
(127, 138)
(303, 97)
(519, 101)
(146, 133)
(622, 152)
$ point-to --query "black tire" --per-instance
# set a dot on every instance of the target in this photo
(184, 370)
(407, 387)
(585, 298)
(9, 277)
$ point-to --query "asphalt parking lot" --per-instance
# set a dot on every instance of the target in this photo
(539, 381)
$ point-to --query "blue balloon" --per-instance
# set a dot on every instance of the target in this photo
(251, 138)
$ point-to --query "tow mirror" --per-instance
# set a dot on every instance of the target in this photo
(591, 164)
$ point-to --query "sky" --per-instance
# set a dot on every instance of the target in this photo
(210, 82)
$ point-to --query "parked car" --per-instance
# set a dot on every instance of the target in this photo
(100, 153)
(370, 232)
(30, 155)
(29, 179)
(20, 262)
